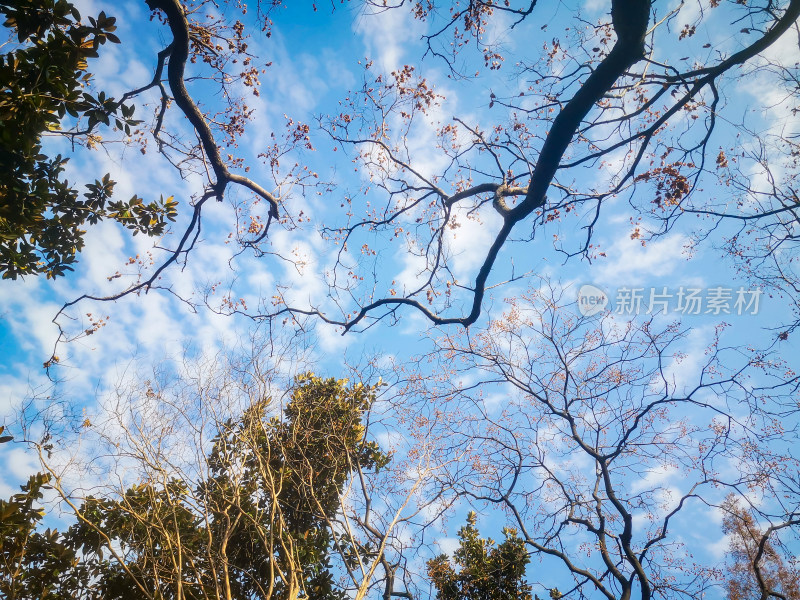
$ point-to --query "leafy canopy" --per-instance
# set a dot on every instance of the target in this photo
(757, 567)
(258, 526)
(485, 571)
(43, 83)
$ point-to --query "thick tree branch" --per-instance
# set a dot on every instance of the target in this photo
(179, 26)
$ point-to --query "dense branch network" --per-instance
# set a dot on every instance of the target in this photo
(598, 445)
(612, 79)
(609, 97)
(638, 106)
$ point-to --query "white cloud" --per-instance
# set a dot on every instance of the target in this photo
(719, 548)
(448, 545)
(595, 7)
(655, 478)
(19, 465)
(28, 314)
(386, 33)
(629, 262)
(470, 241)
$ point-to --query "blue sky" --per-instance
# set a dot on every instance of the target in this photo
(316, 58)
